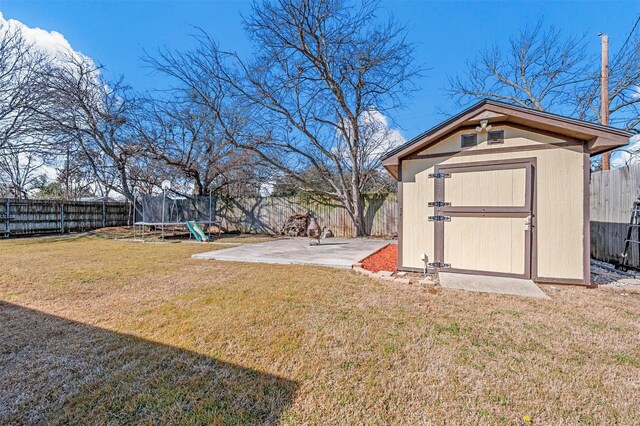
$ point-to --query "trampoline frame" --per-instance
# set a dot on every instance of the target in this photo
(164, 223)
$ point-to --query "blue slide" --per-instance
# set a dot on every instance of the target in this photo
(197, 232)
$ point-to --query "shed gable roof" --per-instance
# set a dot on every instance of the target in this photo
(598, 138)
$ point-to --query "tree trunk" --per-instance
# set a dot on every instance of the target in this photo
(358, 211)
(198, 187)
(124, 181)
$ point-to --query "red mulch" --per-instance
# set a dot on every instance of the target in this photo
(384, 260)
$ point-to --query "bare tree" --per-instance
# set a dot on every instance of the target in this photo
(146, 175)
(187, 137)
(548, 71)
(95, 115)
(323, 69)
(24, 146)
(540, 69)
(624, 83)
(22, 69)
(20, 173)
(77, 176)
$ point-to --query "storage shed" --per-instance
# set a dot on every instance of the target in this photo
(499, 190)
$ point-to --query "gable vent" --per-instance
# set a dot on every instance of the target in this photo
(469, 140)
(496, 136)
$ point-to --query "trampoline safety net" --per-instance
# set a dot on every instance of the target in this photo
(173, 209)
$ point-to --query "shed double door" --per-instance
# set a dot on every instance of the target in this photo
(486, 217)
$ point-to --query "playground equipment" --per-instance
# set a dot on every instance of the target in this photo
(196, 231)
(171, 210)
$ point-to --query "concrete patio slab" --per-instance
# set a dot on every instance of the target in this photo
(333, 252)
(487, 284)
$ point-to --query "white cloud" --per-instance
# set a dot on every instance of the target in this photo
(266, 189)
(383, 136)
(393, 137)
(52, 43)
(630, 154)
(376, 134)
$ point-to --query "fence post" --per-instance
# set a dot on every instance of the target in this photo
(62, 217)
(7, 217)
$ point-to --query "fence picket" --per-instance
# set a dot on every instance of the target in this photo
(612, 194)
(269, 214)
(247, 215)
(24, 217)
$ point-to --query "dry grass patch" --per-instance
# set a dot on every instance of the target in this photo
(111, 332)
(176, 234)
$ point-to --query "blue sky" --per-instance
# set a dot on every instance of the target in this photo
(446, 33)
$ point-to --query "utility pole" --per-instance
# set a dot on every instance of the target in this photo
(604, 95)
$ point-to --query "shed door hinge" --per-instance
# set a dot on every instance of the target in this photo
(438, 203)
(439, 218)
(439, 265)
(439, 175)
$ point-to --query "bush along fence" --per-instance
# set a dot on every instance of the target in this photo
(269, 214)
(612, 194)
(25, 217)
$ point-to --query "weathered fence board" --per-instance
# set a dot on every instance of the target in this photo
(612, 194)
(268, 214)
(23, 217)
(611, 197)
(248, 215)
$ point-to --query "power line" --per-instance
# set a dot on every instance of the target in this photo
(625, 42)
(596, 82)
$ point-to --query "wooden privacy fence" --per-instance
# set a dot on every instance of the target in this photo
(247, 215)
(23, 217)
(612, 194)
(268, 214)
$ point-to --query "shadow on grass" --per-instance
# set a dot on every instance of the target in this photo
(57, 371)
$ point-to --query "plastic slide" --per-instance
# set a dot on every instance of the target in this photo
(197, 232)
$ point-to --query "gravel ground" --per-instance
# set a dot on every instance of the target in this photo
(606, 273)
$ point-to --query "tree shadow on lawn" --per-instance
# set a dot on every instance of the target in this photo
(57, 371)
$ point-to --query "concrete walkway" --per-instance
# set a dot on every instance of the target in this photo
(487, 284)
(332, 252)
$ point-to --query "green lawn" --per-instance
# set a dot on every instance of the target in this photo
(96, 331)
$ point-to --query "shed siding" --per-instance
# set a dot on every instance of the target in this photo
(559, 185)
(496, 188)
(500, 238)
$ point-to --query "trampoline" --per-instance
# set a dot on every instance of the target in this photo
(172, 209)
